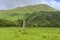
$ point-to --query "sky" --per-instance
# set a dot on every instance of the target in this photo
(9, 4)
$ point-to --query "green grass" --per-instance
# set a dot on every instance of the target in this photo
(29, 34)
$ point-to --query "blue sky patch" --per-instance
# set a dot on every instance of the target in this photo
(57, 0)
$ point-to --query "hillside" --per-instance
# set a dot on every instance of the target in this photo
(36, 15)
(19, 13)
(34, 8)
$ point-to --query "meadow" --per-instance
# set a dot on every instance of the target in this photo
(40, 33)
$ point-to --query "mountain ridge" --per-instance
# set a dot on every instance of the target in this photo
(36, 6)
(21, 11)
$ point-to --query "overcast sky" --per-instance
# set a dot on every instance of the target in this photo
(8, 4)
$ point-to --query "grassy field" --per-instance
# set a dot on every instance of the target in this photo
(14, 33)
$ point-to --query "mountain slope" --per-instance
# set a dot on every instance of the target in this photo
(39, 7)
(19, 13)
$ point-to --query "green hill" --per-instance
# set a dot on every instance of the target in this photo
(45, 18)
(19, 13)
(34, 8)
(34, 15)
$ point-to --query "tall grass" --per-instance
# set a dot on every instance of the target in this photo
(14, 33)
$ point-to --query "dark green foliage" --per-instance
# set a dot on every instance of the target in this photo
(46, 19)
(20, 22)
(7, 23)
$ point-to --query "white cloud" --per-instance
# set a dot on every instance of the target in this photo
(6, 4)
(55, 4)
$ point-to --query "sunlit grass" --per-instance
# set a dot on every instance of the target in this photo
(16, 33)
